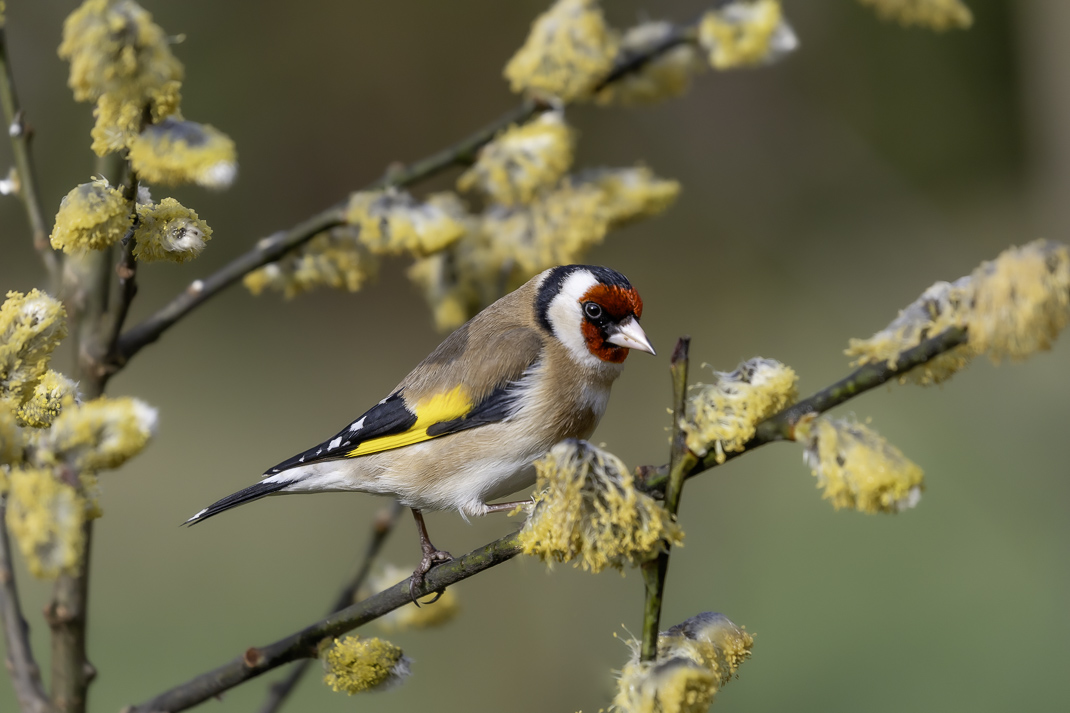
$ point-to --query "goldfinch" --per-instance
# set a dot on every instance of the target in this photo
(464, 427)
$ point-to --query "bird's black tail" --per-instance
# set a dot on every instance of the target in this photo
(253, 492)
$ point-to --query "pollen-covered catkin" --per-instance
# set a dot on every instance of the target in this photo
(392, 222)
(169, 231)
(175, 151)
(53, 393)
(1010, 307)
(31, 326)
(722, 416)
(102, 433)
(586, 510)
(568, 51)
(522, 160)
(936, 15)
(695, 659)
(856, 467)
(45, 515)
(1021, 301)
(92, 216)
(746, 33)
(354, 665)
(665, 76)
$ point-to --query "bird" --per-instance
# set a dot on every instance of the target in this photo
(465, 426)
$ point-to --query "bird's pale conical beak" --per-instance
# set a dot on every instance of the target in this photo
(629, 334)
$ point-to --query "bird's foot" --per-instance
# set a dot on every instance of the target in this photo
(432, 557)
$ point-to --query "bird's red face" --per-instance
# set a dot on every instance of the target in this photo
(593, 311)
(605, 308)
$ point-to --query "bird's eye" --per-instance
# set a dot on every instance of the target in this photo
(592, 310)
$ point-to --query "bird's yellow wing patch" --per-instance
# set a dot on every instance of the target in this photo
(448, 406)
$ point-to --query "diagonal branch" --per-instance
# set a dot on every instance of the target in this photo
(680, 460)
(278, 245)
(303, 644)
(25, 673)
(381, 529)
(20, 135)
(780, 426)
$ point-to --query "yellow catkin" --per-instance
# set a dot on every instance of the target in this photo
(568, 51)
(354, 665)
(31, 326)
(939, 15)
(666, 76)
(746, 33)
(175, 151)
(522, 160)
(92, 216)
(695, 658)
(508, 245)
(940, 307)
(45, 515)
(102, 433)
(169, 231)
(53, 393)
(1021, 301)
(631, 194)
(722, 416)
(1011, 307)
(426, 616)
(586, 510)
(114, 47)
(856, 467)
(392, 222)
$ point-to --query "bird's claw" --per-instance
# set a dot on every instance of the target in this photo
(431, 558)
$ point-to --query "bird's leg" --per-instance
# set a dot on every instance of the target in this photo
(431, 556)
(507, 507)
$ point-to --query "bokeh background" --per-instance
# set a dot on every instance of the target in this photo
(819, 197)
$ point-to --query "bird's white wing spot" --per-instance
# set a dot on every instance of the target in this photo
(358, 424)
(335, 443)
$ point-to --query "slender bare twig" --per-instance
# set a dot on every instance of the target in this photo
(275, 247)
(781, 426)
(272, 248)
(20, 135)
(259, 660)
(381, 529)
(680, 459)
(25, 674)
(302, 644)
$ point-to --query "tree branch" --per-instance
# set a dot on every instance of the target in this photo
(275, 247)
(303, 644)
(21, 135)
(680, 460)
(256, 661)
(381, 529)
(780, 426)
(25, 674)
(278, 245)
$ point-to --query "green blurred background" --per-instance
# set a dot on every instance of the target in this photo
(819, 197)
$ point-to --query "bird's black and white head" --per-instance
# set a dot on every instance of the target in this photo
(593, 311)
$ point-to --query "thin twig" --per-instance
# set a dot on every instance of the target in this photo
(278, 245)
(25, 674)
(780, 426)
(21, 135)
(680, 460)
(381, 529)
(273, 248)
(258, 660)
